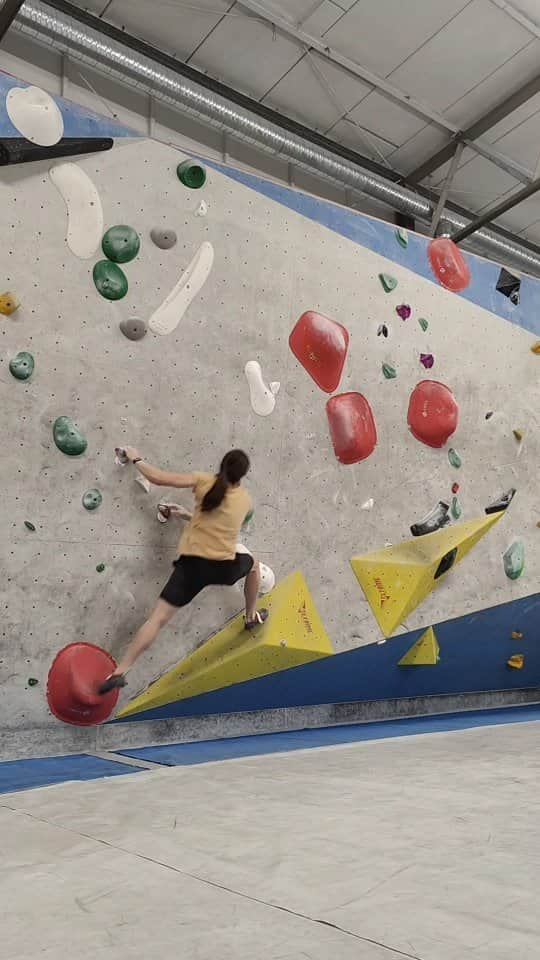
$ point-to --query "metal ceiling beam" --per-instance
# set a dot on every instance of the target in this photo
(445, 188)
(8, 11)
(476, 129)
(497, 211)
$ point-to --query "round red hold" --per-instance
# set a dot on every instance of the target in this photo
(448, 264)
(433, 413)
(455, 487)
(74, 677)
(352, 427)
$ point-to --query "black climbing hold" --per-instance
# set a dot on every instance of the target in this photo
(110, 280)
(29, 526)
(121, 244)
(489, 415)
(100, 568)
(434, 520)
(163, 238)
(191, 174)
(92, 499)
(68, 438)
(134, 328)
(22, 365)
(382, 330)
(502, 502)
(20, 150)
(32, 682)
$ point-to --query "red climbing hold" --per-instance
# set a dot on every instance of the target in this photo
(448, 264)
(433, 413)
(455, 487)
(74, 677)
(320, 345)
(352, 427)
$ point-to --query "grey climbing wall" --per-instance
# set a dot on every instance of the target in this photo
(183, 399)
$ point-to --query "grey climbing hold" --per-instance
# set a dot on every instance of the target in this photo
(388, 282)
(514, 560)
(454, 458)
(29, 526)
(456, 508)
(100, 568)
(22, 365)
(92, 499)
(402, 237)
(68, 438)
(389, 371)
(134, 328)
(163, 238)
(121, 244)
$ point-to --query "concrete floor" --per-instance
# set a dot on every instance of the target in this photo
(425, 847)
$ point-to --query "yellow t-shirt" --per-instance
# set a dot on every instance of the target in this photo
(214, 534)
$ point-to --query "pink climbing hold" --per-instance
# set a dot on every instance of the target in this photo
(448, 264)
(427, 360)
(433, 413)
(352, 427)
(320, 345)
(403, 311)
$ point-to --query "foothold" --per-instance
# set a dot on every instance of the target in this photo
(448, 264)
(321, 346)
(516, 635)
(434, 520)
(368, 504)
(262, 399)
(22, 365)
(83, 207)
(100, 568)
(248, 518)
(516, 661)
(489, 415)
(202, 209)
(519, 434)
(134, 328)
(454, 458)
(502, 502)
(402, 237)
(456, 508)
(514, 560)
(382, 330)
(167, 316)
(403, 311)
(92, 499)
(388, 282)
(68, 438)
(433, 413)
(121, 244)
(110, 280)
(536, 348)
(455, 487)
(352, 427)
(389, 371)
(163, 238)
(427, 360)
(35, 114)
(29, 526)
(191, 174)
(9, 303)
(423, 323)
(32, 682)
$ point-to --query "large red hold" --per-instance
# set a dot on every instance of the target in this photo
(352, 427)
(433, 413)
(74, 677)
(448, 264)
(320, 345)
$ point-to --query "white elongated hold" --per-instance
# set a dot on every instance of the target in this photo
(167, 317)
(84, 209)
(263, 399)
(35, 114)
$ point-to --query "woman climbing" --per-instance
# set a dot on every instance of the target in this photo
(207, 549)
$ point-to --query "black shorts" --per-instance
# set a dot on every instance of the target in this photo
(193, 574)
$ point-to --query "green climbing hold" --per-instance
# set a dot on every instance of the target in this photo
(29, 526)
(110, 280)
(22, 365)
(456, 508)
(454, 458)
(402, 237)
(389, 372)
(32, 682)
(388, 282)
(191, 174)
(423, 323)
(68, 438)
(100, 567)
(92, 499)
(248, 518)
(514, 560)
(121, 244)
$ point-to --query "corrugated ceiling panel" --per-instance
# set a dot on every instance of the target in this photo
(171, 29)
(387, 118)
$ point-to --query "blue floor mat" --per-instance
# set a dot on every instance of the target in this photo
(42, 771)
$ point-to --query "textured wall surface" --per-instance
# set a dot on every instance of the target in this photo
(184, 399)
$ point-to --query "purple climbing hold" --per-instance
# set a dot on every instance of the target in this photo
(403, 311)
(427, 360)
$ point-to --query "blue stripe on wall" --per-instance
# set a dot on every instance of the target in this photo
(473, 652)
(380, 238)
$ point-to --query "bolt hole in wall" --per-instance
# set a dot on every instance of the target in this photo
(307, 353)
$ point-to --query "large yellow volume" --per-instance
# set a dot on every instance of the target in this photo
(396, 579)
(293, 634)
(425, 652)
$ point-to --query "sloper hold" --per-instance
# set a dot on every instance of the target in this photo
(121, 243)
(514, 560)
(433, 413)
(424, 652)
(9, 303)
(395, 580)
(234, 654)
(448, 264)
(68, 438)
(111, 282)
(320, 345)
(352, 427)
(388, 282)
(21, 366)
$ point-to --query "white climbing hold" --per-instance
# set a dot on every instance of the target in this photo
(35, 115)
(268, 579)
(368, 505)
(263, 399)
(167, 317)
(202, 209)
(275, 386)
(84, 210)
(143, 482)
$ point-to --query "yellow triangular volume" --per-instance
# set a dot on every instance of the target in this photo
(422, 653)
(293, 634)
(396, 580)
